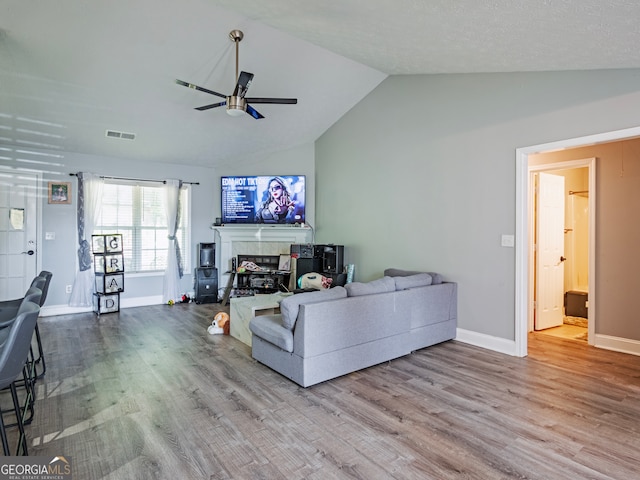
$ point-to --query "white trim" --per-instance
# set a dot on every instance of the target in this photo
(522, 250)
(497, 344)
(590, 163)
(49, 311)
(617, 344)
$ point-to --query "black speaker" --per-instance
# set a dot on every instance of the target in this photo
(206, 285)
(207, 254)
(332, 258)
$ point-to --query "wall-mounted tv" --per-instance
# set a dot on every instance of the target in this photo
(263, 199)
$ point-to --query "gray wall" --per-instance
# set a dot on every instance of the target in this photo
(421, 173)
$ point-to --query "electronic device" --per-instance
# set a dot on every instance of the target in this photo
(207, 254)
(206, 285)
(263, 199)
(237, 103)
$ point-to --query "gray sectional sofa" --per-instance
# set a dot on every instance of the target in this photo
(325, 334)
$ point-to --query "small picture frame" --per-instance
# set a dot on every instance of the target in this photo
(60, 193)
(284, 263)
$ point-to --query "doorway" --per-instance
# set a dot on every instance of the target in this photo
(559, 246)
(523, 287)
(19, 225)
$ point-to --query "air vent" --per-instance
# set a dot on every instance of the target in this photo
(124, 135)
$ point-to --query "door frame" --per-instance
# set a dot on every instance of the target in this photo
(40, 194)
(522, 269)
(590, 163)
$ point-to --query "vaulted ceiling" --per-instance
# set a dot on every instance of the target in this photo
(72, 69)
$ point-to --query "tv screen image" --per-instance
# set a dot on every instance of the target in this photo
(263, 199)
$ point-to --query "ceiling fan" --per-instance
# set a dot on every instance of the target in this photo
(237, 103)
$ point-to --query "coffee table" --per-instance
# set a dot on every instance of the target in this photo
(243, 309)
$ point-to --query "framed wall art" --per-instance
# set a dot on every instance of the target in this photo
(60, 193)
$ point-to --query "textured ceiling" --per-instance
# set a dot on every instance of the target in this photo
(460, 36)
(71, 69)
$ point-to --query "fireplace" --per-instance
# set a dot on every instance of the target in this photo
(232, 241)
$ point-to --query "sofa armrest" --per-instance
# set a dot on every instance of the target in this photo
(270, 329)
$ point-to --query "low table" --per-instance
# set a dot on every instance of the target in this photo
(243, 309)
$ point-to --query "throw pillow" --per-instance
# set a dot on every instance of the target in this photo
(412, 281)
(436, 278)
(290, 305)
(381, 285)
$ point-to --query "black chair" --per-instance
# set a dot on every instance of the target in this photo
(33, 295)
(45, 289)
(9, 308)
(13, 360)
(8, 314)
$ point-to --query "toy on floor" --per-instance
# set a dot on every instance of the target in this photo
(220, 324)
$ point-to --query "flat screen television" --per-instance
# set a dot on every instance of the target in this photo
(263, 199)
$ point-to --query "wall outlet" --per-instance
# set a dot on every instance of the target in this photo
(68, 288)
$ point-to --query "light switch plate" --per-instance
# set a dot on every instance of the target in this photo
(50, 236)
(508, 240)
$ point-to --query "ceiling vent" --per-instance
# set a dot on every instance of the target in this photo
(123, 135)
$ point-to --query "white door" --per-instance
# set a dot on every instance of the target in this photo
(18, 228)
(550, 251)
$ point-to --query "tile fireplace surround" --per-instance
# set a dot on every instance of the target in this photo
(254, 240)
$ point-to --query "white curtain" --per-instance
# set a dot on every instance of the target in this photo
(90, 188)
(173, 273)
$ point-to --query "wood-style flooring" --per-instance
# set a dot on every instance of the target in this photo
(147, 394)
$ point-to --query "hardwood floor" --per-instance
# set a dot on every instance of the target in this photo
(148, 394)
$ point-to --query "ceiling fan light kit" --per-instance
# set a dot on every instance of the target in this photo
(237, 104)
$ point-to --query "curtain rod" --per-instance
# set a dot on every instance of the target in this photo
(136, 179)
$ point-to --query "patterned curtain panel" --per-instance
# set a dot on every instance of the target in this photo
(174, 272)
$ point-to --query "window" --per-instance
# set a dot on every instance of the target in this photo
(138, 213)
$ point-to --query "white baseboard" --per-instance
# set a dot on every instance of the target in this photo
(501, 345)
(49, 311)
(497, 344)
(617, 344)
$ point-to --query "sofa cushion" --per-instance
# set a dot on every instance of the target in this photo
(381, 285)
(412, 281)
(436, 278)
(270, 328)
(290, 305)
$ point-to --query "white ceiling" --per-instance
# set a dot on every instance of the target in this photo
(71, 69)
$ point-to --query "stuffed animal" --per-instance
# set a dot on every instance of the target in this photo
(220, 324)
(314, 280)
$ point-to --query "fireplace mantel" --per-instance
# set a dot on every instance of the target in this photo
(254, 240)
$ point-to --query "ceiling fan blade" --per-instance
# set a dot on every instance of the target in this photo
(254, 113)
(213, 105)
(244, 80)
(201, 89)
(282, 101)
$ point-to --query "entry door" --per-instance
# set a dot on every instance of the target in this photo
(550, 251)
(18, 227)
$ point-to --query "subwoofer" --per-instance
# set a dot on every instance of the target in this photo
(207, 254)
(206, 285)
